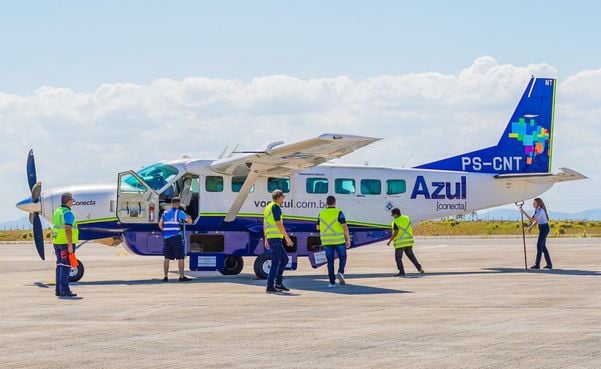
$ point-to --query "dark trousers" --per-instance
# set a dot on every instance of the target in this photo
(62, 270)
(279, 259)
(541, 244)
(341, 251)
(398, 256)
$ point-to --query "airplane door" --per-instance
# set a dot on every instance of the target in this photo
(137, 202)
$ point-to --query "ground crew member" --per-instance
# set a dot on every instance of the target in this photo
(173, 246)
(64, 235)
(335, 237)
(402, 235)
(540, 217)
(274, 234)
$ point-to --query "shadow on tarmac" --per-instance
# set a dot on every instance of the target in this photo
(317, 283)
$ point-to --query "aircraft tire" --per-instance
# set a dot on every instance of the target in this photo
(76, 273)
(232, 265)
(262, 266)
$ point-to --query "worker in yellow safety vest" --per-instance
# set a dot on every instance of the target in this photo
(64, 235)
(402, 236)
(335, 237)
(274, 234)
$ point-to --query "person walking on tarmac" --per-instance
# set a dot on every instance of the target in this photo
(64, 235)
(173, 247)
(335, 237)
(402, 235)
(540, 217)
(275, 233)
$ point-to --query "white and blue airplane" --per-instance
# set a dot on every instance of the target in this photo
(226, 197)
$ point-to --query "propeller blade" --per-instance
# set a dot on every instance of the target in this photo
(38, 235)
(32, 177)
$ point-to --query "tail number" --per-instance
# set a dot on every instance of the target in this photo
(498, 163)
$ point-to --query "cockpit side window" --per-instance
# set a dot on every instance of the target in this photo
(158, 175)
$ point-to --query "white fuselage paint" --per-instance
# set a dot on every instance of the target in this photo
(449, 194)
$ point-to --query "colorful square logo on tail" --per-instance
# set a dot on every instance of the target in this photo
(533, 137)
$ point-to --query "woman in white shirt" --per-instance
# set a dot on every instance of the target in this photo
(540, 217)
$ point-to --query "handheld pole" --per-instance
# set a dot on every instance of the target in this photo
(519, 205)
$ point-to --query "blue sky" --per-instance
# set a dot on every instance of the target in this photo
(110, 78)
(80, 45)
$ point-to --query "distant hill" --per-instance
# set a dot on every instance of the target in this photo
(514, 214)
(22, 223)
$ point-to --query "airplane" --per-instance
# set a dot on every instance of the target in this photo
(226, 197)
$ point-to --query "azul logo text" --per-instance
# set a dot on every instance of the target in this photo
(440, 190)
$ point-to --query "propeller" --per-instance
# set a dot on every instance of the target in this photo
(36, 189)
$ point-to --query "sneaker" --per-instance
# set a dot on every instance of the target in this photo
(272, 290)
(341, 280)
(331, 285)
(281, 287)
(184, 279)
(535, 267)
(165, 279)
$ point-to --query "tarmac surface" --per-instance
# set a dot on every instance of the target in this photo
(476, 308)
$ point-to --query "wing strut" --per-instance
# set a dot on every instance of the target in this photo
(243, 194)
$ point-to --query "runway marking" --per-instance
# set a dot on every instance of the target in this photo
(434, 247)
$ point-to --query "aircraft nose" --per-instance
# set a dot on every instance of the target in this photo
(28, 206)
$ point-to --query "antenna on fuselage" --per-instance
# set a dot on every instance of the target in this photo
(406, 161)
(223, 152)
(233, 151)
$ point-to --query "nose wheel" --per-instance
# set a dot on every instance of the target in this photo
(76, 273)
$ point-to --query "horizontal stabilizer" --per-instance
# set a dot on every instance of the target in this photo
(564, 175)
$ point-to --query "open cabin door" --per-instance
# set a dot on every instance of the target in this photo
(137, 202)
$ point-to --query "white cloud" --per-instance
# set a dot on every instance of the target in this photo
(82, 137)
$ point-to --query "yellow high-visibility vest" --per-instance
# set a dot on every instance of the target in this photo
(331, 231)
(271, 229)
(59, 235)
(404, 237)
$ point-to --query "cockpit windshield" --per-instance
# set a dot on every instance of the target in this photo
(158, 175)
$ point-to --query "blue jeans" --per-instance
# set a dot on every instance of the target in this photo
(279, 259)
(541, 244)
(62, 271)
(341, 251)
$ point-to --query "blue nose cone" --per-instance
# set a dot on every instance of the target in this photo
(27, 205)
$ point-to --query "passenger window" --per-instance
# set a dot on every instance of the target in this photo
(237, 183)
(344, 185)
(317, 185)
(214, 184)
(278, 184)
(395, 186)
(371, 187)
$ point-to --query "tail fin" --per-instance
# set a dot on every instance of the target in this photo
(525, 146)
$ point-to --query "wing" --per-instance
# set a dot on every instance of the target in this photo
(282, 160)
